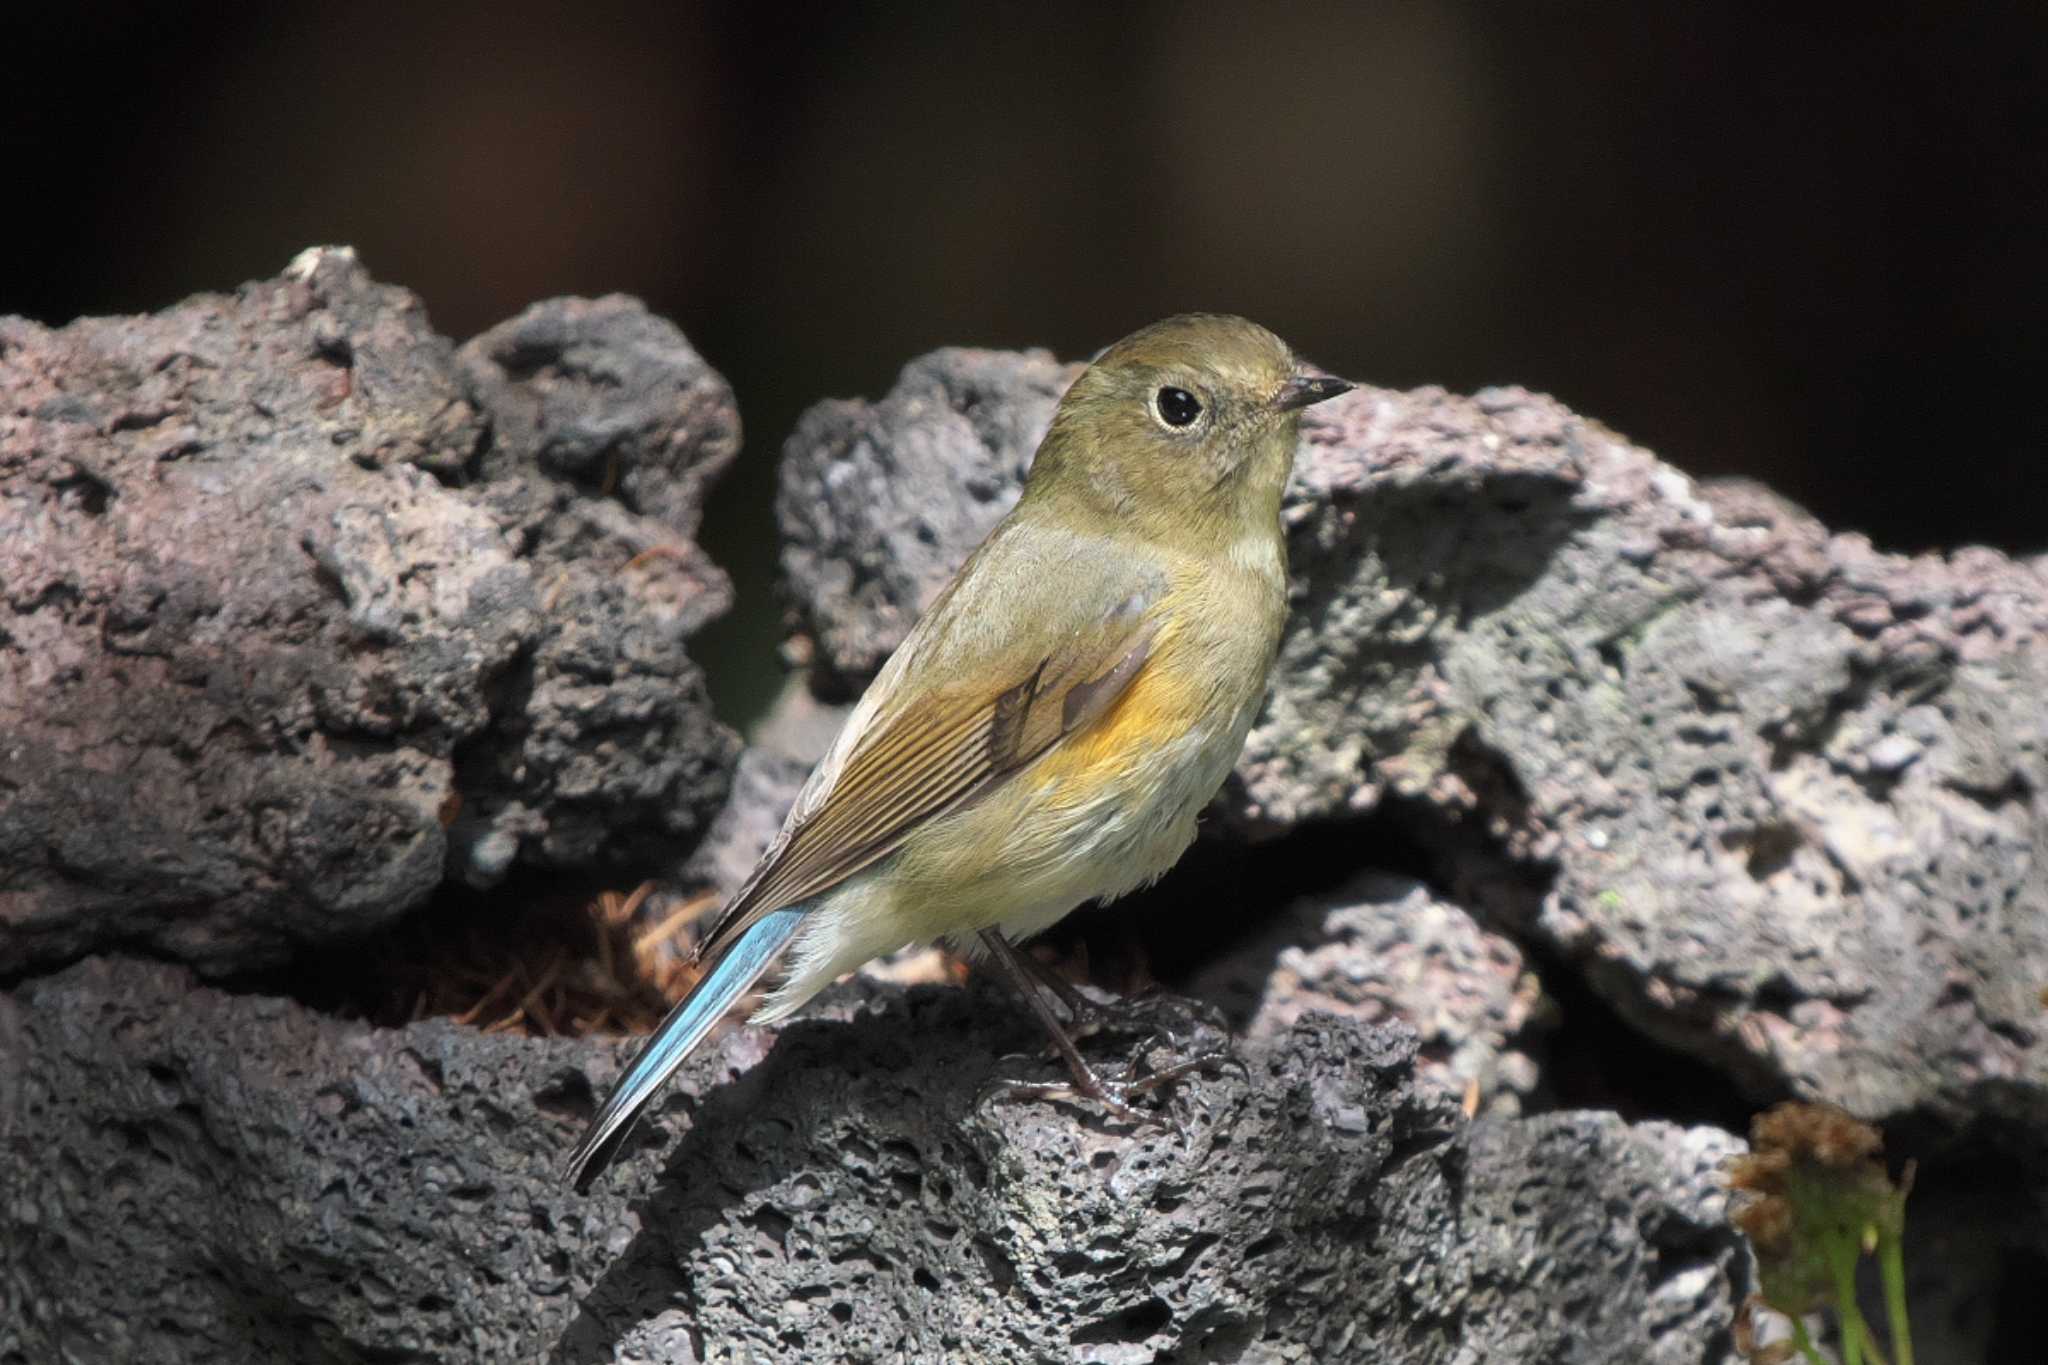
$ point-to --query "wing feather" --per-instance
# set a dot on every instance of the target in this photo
(922, 752)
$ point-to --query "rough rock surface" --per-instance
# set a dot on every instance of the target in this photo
(1384, 948)
(607, 429)
(879, 502)
(196, 1175)
(1783, 797)
(602, 394)
(299, 617)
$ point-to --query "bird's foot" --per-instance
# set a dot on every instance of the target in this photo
(1114, 1097)
(1110, 1097)
(1155, 1011)
(1172, 1020)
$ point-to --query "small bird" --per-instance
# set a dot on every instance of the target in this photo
(1050, 729)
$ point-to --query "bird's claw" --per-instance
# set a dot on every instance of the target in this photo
(1158, 1013)
(1106, 1096)
(1114, 1097)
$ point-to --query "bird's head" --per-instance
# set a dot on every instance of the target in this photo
(1184, 430)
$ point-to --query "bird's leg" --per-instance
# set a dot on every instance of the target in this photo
(1087, 1083)
(1088, 1016)
(1166, 1017)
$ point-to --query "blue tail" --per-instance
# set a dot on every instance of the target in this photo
(738, 968)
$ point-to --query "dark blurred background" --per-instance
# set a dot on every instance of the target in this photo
(1807, 249)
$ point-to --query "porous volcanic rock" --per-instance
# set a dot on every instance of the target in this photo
(300, 617)
(880, 502)
(1382, 947)
(199, 1175)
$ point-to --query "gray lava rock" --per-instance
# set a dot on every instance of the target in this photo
(197, 1175)
(607, 431)
(282, 599)
(1384, 948)
(1788, 794)
(879, 502)
(1691, 707)
(602, 394)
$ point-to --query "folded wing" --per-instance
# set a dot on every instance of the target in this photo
(963, 705)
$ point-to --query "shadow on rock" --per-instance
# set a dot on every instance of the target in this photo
(852, 1194)
(876, 1101)
(1460, 547)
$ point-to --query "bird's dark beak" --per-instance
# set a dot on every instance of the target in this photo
(1305, 389)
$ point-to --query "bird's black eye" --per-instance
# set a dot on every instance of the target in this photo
(1177, 407)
